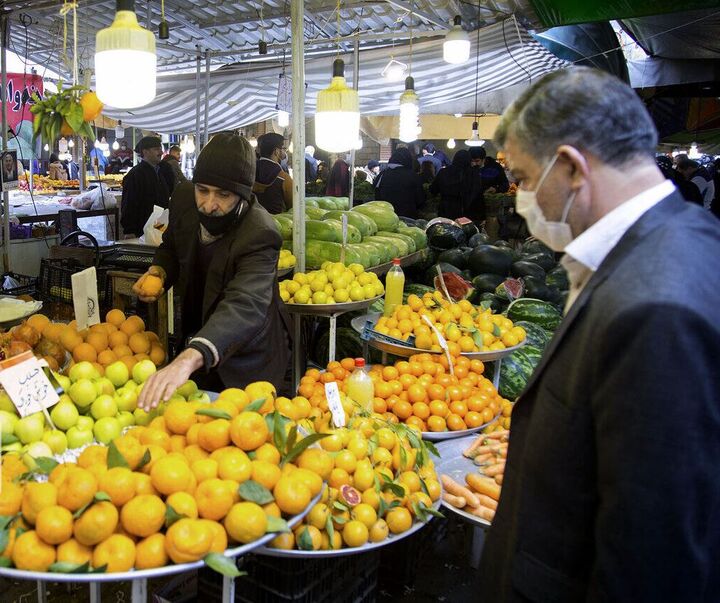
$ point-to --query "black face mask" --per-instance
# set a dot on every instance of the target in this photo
(217, 225)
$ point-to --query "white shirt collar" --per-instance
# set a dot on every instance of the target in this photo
(593, 246)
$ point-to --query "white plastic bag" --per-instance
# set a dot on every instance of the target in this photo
(97, 198)
(155, 226)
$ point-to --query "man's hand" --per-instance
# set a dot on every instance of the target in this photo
(155, 271)
(163, 384)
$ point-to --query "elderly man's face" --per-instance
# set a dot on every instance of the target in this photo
(152, 155)
(500, 158)
(214, 201)
(8, 162)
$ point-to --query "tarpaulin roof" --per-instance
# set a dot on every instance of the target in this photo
(244, 95)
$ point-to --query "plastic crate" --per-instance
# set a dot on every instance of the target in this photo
(27, 285)
(55, 282)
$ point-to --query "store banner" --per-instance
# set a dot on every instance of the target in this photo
(20, 89)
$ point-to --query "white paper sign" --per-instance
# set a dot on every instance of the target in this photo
(28, 387)
(85, 298)
(442, 343)
(332, 393)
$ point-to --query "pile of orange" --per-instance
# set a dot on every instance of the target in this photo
(422, 392)
(178, 496)
(118, 338)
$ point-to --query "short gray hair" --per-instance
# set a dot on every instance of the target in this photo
(583, 107)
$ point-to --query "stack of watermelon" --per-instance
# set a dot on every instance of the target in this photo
(375, 234)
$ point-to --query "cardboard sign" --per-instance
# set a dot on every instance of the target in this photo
(85, 298)
(27, 385)
(332, 393)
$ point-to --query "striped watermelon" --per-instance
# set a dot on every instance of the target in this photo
(536, 311)
(516, 369)
(535, 335)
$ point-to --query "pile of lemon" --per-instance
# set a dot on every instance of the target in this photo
(473, 329)
(286, 259)
(334, 283)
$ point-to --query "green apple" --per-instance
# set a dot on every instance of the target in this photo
(142, 417)
(8, 421)
(56, 439)
(6, 403)
(85, 423)
(77, 437)
(36, 450)
(199, 397)
(126, 399)
(126, 419)
(131, 385)
(107, 429)
(186, 389)
(83, 370)
(103, 407)
(14, 447)
(30, 429)
(117, 373)
(176, 398)
(63, 381)
(64, 414)
(104, 386)
(83, 392)
(142, 370)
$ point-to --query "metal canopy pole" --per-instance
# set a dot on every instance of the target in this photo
(198, 142)
(297, 18)
(206, 134)
(4, 32)
(356, 85)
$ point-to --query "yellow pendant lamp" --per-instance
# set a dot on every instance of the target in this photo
(409, 112)
(337, 117)
(125, 61)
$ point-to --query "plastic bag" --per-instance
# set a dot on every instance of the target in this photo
(155, 226)
(97, 198)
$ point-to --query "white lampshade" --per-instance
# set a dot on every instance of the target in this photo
(337, 119)
(283, 118)
(115, 145)
(409, 112)
(71, 143)
(451, 143)
(475, 140)
(63, 145)
(456, 47)
(125, 61)
(394, 71)
(119, 130)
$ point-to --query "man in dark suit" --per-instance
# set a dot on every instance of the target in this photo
(611, 489)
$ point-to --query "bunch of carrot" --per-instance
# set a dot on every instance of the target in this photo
(480, 496)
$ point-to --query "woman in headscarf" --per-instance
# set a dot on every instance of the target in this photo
(338, 184)
(400, 185)
(56, 170)
(460, 190)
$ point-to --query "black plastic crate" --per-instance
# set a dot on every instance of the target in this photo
(27, 285)
(55, 282)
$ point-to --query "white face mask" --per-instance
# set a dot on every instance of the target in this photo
(556, 235)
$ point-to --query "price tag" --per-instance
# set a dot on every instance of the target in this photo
(85, 298)
(441, 342)
(27, 385)
(332, 393)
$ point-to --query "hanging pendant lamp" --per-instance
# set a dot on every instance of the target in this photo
(475, 140)
(125, 61)
(409, 112)
(456, 47)
(337, 118)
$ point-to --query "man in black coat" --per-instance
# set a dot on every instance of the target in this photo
(148, 184)
(611, 489)
(399, 185)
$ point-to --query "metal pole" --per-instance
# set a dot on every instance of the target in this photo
(198, 142)
(206, 135)
(4, 27)
(356, 85)
(297, 17)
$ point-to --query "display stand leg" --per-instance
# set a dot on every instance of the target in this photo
(95, 592)
(333, 335)
(297, 355)
(476, 547)
(496, 373)
(366, 352)
(42, 591)
(228, 590)
(139, 591)
(384, 358)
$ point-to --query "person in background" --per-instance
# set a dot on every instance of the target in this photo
(698, 175)
(460, 190)
(311, 164)
(629, 384)
(431, 154)
(500, 157)
(372, 169)
(221, 251)
(338, 184)
(273, 186)
(477, 158)
(97, 160)
(688, 190)
(144, 186)
(322, 171)
(172, 160)
(493, 177)
(427, 172)
(124, 155)
(400, 185)
(56, 170)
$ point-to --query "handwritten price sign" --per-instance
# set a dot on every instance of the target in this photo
(27, 385)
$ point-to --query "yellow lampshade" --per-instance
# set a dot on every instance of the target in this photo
(337, 118)
(125, 61)
(409, 113)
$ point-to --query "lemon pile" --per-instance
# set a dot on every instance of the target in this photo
(286, 259)
(334, 283)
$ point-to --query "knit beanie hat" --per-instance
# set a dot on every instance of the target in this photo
(268, 142)
(228, 162)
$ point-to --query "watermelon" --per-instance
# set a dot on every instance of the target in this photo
(285, 226)
(537, 289)
(317, 252)
(314, 213)
(545, 262)
(487, 283)
(373, 253)
(536, 311)
(558, 277)
(418, 235)
(353, 234)
(488, 259)
(510, 289)
(445, 236)
(323, 230)
(535, 335)
(470, 230)
(479, 239)
(398, 235)
(402, 245)
(455, 257)
(311, 202)
(364, 224)
(516, 370)
(326, 203)
(391, 246)
(431, 272)
(363, 254)
(535, 246)
(381, 250)
(386, 219)
(384, 205)
(456, 286)
(525, 268)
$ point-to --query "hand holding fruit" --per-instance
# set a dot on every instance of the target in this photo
(150, 286)
(163, 384)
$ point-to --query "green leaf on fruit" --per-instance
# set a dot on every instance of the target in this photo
(171, 516)
(115, 457)
(340, 506)
(303, 444)
(276, 524)
(74, 116)
(102, 497)
(396, 489)
(304, 541)
(291, 439)
(215, 413)
(5, 562)
(9, 438)
(431, 447)
(339, 519)
(496, 331)
(66, 567)
(486, 304)
(82, 510)
(255, 405)
(478, 339)
(223, 565)
(45, 464)
(330, 529)
(252, 491)
(95, 570)
(146, 458)
(6, 520)
(423, 487)
(4, 539)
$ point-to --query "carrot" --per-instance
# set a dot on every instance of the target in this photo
(495, 469)
(483, 458)
(452, 487)
(498, 435)
(468, 452)
(499, 479)
(488, 502)
(482, 512)
(455, 501)
(490, 448)
(483, 485)
(503, 453)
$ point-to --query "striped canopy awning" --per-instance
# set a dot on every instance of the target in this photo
(241, 95)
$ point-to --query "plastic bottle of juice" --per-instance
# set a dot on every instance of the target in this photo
(360, 387)
(394, 286)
